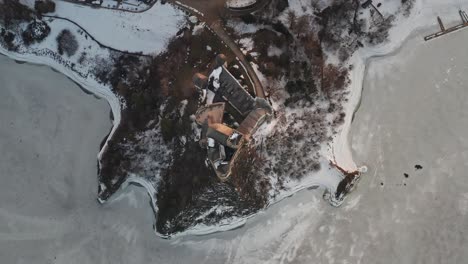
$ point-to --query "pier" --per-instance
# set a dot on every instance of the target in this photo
(444, 31)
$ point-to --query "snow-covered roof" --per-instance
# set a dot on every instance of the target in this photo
(215, 76)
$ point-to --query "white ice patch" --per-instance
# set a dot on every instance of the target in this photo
(209, 96)
(211, 142)
(274, 51)
(183, 106)
(247, 45)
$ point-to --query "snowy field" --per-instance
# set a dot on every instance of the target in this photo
(240, 3)
(147, 32)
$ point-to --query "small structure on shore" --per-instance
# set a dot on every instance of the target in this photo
(224, 97)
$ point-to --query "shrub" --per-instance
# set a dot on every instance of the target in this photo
(407, 6)
(167, 129)
(8, 38)
(12, 11)
(43, 7)
(35, 31)
(67, 43)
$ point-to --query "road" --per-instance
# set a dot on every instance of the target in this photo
(211, 12)
(253, 77)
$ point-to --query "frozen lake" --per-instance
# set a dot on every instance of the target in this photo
(49, 135)
(414, 111)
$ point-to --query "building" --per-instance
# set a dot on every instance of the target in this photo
(232, 92)
(224, 95)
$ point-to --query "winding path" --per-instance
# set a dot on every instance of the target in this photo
(97, 41)
(253, 77)
(211, 12)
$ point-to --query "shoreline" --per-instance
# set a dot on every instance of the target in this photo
(237, 222)
(98, 90)
(412, 115)
(340, 146)
(421, 19)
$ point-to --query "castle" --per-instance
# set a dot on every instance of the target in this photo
(228, 116)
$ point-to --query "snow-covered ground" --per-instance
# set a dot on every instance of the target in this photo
(423, 15)
(147, 32)
(240, 3)
(130, 5)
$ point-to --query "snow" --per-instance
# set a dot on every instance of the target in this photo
(325, 179)
(130, 5)
(244, 28)
(240, 3)
(260, 75)
(190, 8)
(302, 7)
(210, 95)
(274, 51)
(234, 136)
(423, 15)
(211, 143)
(193, 19)
(198, 28)
(183, 106)
(215, 77)
(247, 45)
(149, 156)
(147, 32)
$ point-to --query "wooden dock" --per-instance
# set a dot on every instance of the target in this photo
(444, 31)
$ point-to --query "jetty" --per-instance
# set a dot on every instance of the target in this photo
(444, 31)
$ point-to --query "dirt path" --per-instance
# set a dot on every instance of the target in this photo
(253, 77)
(210, 13)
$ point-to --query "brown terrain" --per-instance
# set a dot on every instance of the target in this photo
(214, 12)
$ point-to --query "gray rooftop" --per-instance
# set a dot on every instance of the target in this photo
(231, 90)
